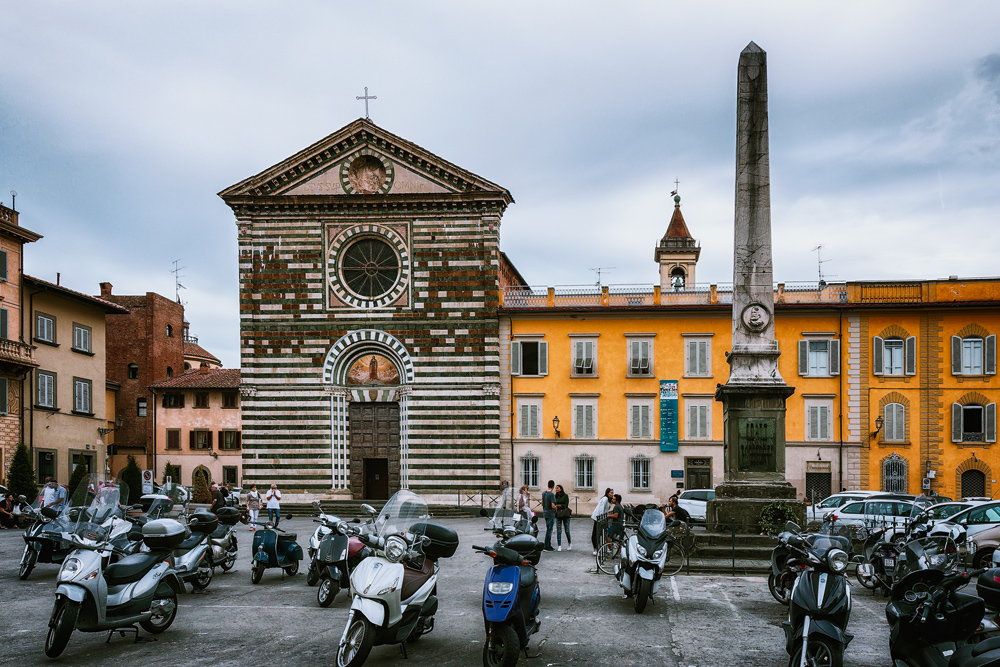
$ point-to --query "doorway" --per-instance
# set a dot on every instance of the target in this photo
(376, 472)
(698, 473)
(374, 442)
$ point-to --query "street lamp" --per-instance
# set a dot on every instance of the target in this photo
(118, 424)
(879, 423)
(555, 425)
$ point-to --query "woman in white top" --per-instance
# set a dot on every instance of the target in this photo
(524, 502)
(603, 505)
(253, 505)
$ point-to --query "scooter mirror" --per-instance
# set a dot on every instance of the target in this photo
(289, 517)
(483, 512)
(369, 509)
(859, 559)
(355, 520)
(792, 527)
(22, 499)
(534, 519)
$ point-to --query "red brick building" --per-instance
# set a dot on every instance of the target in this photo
(143, 348)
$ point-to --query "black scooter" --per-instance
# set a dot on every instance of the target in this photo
(788, 561)
(820, 606)
(44, 541)
(880, 558)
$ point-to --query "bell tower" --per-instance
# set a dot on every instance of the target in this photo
(677, 253)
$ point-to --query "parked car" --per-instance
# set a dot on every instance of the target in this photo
(944, 511)
(820, 510)
(695, 501)
(982, 530)
(235, 493)
(877, 511)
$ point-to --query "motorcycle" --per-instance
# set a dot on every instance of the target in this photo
(43, 539)
(334, 556)
(273, 550)
(193, 556)
(877, 569)
(394, 591)
(788, 561)
(643, 558)
(930, 622)
(820, 604)
(94, 595)
(223, 546)
(511, 594)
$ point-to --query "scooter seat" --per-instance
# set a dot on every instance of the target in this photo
(132, 568)
(220, 532)
(980, 655)
(287, 537)
(192, 542)
(527, 577)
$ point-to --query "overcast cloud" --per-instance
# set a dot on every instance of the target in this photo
(119, 121)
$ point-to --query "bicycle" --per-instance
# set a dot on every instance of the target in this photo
(609, 555)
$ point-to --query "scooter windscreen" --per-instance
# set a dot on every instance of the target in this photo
(653, 524)
(931, 553)
(831, 535)
(102, 499)
(405, 514)
(506, 515)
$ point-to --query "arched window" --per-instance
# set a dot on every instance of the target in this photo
(133, 371)
(973, 484)
(678, 278)
(894, 429)
(170, 331)
(894, 471)
(170, 372)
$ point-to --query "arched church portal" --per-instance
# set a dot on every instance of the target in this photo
(369, 373)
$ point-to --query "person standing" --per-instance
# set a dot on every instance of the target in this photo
(273, 499)
(253, 505)
(616, 518)
(603, 505)
(523, 505)
(549, 514)
(7, 517)
(563, 513)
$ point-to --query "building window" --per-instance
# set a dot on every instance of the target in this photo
(697, 353)
(973, 484)
(818, 424)
(894, 427)
(4, 314)
(170, 372)
(187, 366)
(529, 418)
(3, 265)
(640, 358)
(170, 331)
(640, 423)
(529, 470)
(639, 479)
(201, 440)
(229, 400)
(894, 473)
(229, 475)
(229, 440)
(584, 466)
(201, 399)
(819, 358)
(173, 438)
(584, 362)
(173, 400)
(585, 418)
(46, 465)
(81, 338)
(46, 394)
(529, 358)
(974, 422)
(4, 396)
(698, 416)
(974, 355)
(45, 328)
(133, 371)
(81, 396)
(140, 407)
(678, 279)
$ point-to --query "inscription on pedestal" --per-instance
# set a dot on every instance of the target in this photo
(757, 445)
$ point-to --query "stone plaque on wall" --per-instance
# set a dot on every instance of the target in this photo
(757, 445)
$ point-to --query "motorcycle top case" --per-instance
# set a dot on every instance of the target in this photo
(988, 587)
(203, 521)
(444, 540)
(527, 547)
(164, 534)
(228, 516)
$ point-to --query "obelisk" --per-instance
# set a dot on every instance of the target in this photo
(753, 399)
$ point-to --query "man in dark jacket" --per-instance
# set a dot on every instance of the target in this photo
(218, 500)
(549, 513)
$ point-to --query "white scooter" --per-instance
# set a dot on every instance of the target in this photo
(394, 592)
(94, 596)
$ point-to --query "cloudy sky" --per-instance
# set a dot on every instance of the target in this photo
(120, 121)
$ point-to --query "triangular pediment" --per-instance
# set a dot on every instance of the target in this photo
(363, 159)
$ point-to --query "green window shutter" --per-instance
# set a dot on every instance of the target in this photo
(910, 356)
(692, 357)
(703, 421)
(956, 422)
(515, 358)
(824, 422)
(990, 355)
(543, 358)
(813, 422)
(956, 357)
(803, 357)
(3, 396)
(3, 265)
(878, 350)
(991, 422)
(835, 356)
(588, 416)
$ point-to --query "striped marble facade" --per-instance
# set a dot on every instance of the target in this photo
(438, 324)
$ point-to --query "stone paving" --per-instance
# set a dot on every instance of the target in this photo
(697, 620)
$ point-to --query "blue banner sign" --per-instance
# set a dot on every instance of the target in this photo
(668, 415)
(677, 473)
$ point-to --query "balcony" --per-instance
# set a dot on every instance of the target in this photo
(15, 357)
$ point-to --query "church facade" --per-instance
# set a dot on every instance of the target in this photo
(370, 273)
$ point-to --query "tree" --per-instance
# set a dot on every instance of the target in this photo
(202, 479)
(21, 476)
(79, 475)
(173, 472)
(132, 478)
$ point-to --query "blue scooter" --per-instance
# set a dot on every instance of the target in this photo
(273, 550)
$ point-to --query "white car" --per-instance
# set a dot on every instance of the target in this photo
(695, 501)
(823, 508)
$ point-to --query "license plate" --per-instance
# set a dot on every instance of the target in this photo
(889, 562)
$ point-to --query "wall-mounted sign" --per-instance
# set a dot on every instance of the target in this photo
(677, 473)
(668, 415)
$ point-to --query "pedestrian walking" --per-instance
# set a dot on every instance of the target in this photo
(253, 505)
(273, 499)
(599, 518)
(563, 513)
(549, 514)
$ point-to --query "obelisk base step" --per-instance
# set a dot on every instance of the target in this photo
(742, 503)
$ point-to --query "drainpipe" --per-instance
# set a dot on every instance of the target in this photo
(840, 399)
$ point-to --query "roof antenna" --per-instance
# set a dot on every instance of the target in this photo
(602, 268)
(820, 261)
(13, 200)
(177, 281)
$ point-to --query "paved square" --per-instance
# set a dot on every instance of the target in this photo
(702, 621)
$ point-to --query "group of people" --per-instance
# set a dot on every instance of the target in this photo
(555, 510)
(610, 513)
(271, 500)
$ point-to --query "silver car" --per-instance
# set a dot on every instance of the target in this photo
(695, 501)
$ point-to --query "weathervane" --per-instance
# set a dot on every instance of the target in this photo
(366, 97)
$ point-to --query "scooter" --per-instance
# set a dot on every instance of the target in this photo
(93, 596)
(394, 591)
(820, 605)
(273, 550)
(643, 558)
(511, 594)
(223, 545)
(193, 556)
(335, 557)
(43, 539)
(878, 567)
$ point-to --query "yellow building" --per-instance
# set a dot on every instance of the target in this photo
(615, 387)
(67, 411)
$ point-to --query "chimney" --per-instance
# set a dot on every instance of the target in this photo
(57, 278)
(204, 368)
(105, 289)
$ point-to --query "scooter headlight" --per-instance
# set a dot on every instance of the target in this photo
(500, 587)
(657, 553)
(70, 569)
(395, 549)
(640, 550)
(837, 560)
(343, 528)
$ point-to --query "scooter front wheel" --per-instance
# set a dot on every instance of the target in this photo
(327, 590)
(61, 627)
(164, 613)
(642, 591)
(292, 569)
(204, 575)
(27, 562)
(821, 652)
(256, 572)
(357, 644)
(776, 584)
(504, 649)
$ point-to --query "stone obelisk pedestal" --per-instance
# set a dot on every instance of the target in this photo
(753, 399)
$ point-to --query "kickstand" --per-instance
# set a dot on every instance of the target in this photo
(123, 631)
(402, 647)
(537, 655)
